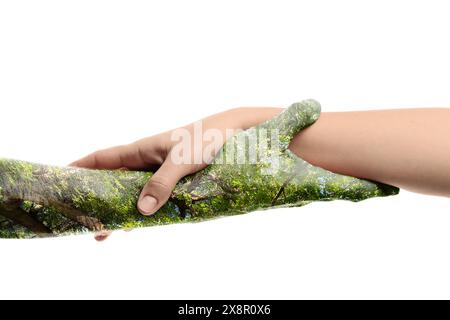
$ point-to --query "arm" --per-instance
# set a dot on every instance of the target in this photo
(408, 148)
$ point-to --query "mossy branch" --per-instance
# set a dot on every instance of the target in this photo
(39, 200)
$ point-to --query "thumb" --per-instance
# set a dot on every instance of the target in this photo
(159, 188)
(293, 119)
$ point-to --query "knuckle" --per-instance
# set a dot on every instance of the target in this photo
(160, 184)
(95, 157)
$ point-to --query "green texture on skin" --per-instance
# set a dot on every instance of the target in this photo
(39, 200)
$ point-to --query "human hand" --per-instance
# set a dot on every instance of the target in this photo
(163, 151)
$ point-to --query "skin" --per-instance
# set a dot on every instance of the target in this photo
(407, 148)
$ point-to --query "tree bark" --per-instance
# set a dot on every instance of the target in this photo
(39, 201)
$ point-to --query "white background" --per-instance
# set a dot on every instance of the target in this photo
(76, 76)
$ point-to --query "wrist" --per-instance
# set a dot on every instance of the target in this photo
(248, 117)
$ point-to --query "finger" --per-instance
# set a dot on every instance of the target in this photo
(102, 235)
(294, 119)
(129, 156)
(159, 188)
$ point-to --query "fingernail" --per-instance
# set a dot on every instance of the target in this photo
(147, 205)
(102, 235)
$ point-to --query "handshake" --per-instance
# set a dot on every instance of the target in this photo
(253, 170)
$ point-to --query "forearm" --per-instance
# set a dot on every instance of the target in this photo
(408, 148)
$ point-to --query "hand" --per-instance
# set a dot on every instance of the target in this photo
(163, 150)
(158, 151)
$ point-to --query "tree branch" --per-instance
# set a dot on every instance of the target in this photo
(12, 211)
